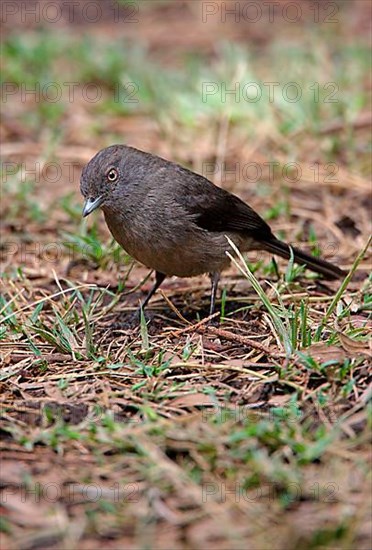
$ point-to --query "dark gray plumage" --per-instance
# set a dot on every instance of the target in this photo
(175, 221)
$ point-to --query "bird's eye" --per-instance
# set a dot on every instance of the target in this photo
(112, 175)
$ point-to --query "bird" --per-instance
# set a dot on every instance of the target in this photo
(175, 221)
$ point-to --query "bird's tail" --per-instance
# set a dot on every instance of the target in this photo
(328, 270)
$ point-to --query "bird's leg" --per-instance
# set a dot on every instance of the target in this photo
(134, 319)
(215, 277)
(159, 278)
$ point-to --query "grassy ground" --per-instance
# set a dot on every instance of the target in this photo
(180, 434)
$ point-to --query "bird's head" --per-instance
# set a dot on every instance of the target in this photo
(102, 178)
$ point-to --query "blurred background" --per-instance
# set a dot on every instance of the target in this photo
(270, 100)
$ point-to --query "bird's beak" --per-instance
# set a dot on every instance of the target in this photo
(91, 204)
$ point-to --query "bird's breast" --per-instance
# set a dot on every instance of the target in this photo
(173, 246)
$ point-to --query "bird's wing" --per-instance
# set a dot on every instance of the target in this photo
(214, 209)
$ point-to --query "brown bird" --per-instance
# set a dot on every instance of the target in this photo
(175, 221)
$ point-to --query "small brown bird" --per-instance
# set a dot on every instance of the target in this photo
(175, 221)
